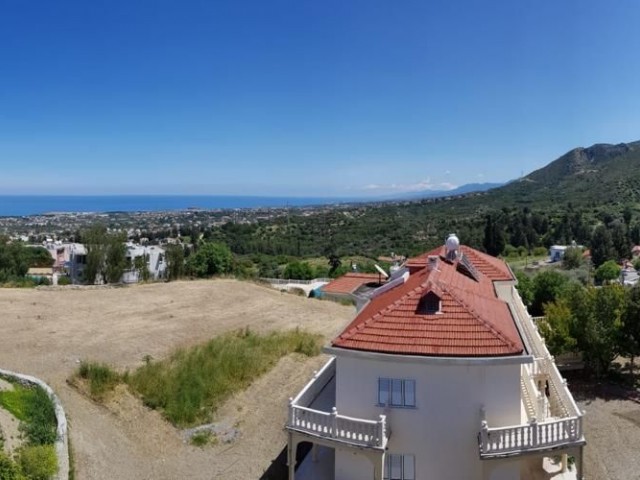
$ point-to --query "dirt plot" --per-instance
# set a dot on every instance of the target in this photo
(612, 430)
(47, 332)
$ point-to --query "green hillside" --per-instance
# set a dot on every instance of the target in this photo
(603, 173)
(563, 202)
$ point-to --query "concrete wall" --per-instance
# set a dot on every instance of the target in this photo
(61, 444)
(442, 430)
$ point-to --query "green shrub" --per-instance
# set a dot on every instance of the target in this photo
(8, 469)
(200, 439)
(539, 252)
(38, 462)
(102, 378)
(64, 280)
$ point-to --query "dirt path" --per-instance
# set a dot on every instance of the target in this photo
(46, 333)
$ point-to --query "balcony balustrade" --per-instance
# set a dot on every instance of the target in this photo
(325, 423)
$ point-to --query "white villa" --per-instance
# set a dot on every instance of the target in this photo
(71, 258)
(155, 260)
(441, 375)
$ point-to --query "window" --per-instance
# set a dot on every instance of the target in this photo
(430, 303)
(396, 392)
(399, 467)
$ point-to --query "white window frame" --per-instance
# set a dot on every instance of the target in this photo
(407, 467)
(396, 392)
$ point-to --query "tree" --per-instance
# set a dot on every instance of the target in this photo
(572, 258)
(620, 240)
(557, 326)
(547, 287)
(608, 272)
(494, 241)
(115, 259)
(213, 258)
(93, 239)
(525, 287)
(140, 265)
(601, 246)
(175, 261)
(106, 254)
(598, 314)
(630, 338)
(298, 270)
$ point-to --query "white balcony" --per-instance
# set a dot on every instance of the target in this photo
(535, 437)
(313, 413)
(552, 419)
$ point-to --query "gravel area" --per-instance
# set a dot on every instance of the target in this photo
(612, 430)
(46, 333)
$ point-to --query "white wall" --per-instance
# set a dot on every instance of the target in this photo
(442, 430)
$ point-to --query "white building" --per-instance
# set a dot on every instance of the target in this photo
(71, 258)
(441, 375)
(68, 259)
(154, 258)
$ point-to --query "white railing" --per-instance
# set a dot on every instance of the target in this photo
(561, 401)
(330, 425)
(285, 281)
(313, 388)
(519, 439)
(534, 399)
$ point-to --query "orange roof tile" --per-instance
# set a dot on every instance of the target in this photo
(472, 321)
(350, 282)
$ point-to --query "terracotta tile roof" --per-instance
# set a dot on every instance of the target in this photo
(492, 267)
(472, 321)
(350, 282)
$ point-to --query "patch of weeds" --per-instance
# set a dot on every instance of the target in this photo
(202, 438)
(34, 408)
(192, 383)
(38, 462)
(102, 378)
(8, 469)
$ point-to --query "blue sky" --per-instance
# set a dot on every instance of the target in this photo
(345, 98)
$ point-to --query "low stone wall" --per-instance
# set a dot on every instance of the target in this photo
(62, 445)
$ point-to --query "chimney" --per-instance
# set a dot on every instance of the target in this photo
(432, 263)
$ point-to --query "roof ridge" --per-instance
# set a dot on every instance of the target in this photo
(486, 323)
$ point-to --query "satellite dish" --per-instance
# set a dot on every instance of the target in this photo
(381, 271)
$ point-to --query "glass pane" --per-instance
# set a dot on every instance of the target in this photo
(383, 391)
(409, 467)
(396, 467)
(410, 393)
(396, 392)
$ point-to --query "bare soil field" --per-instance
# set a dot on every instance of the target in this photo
(47, 332)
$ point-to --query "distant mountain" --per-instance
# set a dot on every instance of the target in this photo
(601, 173)
(463, 189)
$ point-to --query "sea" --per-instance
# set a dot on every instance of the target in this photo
(24, 205)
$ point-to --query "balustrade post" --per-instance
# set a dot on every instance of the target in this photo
(484, 436)
(291, 414)
(334, 422)
(382, 430)
(534, 432)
